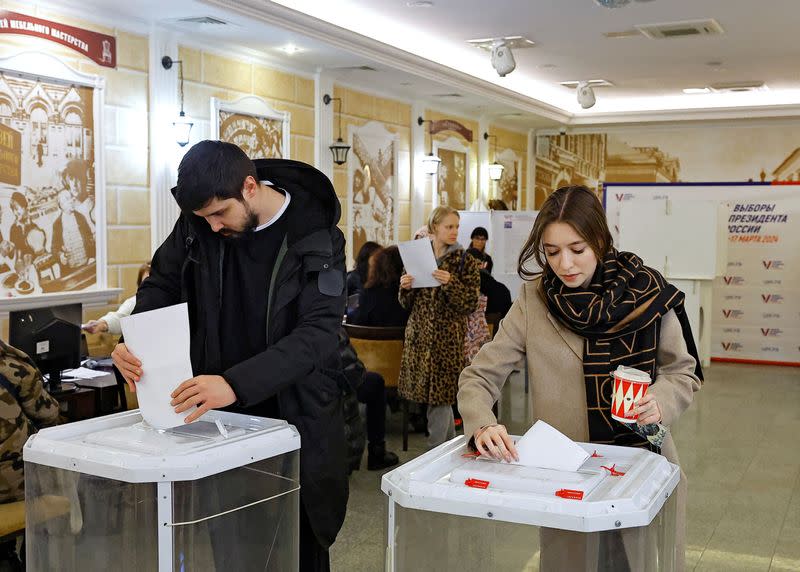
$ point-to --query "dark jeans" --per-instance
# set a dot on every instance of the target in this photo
(373, 393)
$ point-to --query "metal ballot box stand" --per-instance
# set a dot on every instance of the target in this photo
(448, 511)
(219, 494)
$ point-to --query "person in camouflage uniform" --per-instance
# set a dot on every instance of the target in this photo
(25, 406)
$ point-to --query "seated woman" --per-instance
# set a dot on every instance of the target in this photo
(111, 322)
(591, 309)
(377, 303)
(358, 275)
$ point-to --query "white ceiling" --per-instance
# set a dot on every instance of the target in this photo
(421, 52)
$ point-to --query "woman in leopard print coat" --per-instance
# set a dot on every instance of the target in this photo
(433, 354)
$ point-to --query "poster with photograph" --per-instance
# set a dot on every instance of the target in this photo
(47, 186)
(372, 188)
(261, 131)
(452, 185)
(509, 185)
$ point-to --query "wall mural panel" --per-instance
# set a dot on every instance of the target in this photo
(372, 187)
(261, 131)
(452, 188)
(47, 187)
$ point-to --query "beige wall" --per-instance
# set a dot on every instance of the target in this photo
(208, 75)
(125, 139)
(358, 109)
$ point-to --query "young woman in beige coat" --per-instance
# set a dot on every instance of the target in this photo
(591, 309)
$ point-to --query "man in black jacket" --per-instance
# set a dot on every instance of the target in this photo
(258, 257)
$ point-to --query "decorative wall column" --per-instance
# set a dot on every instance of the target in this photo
(484, 184)
(530, 187)
(323, 124)
(419, 179)
(163, 87)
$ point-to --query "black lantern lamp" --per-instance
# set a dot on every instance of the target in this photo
(338, 148)
(182, 124)
(495, 168)
(430, 163)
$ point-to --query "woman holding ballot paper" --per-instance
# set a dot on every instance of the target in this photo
(588, 310)
(433, 353)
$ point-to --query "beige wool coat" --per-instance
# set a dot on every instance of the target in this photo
(554, 356)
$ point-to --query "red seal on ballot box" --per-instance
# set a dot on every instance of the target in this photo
(630, 385)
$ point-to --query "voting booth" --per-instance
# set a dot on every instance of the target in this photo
(508, 232)
(451, 511)
(220, 493)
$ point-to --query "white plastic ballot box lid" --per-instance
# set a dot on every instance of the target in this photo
(629, 492)
(123, 447)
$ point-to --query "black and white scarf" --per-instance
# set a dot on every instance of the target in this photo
(619, 314)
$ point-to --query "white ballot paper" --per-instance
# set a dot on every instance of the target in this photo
(545, 447)
(419, 261)
(160, 339)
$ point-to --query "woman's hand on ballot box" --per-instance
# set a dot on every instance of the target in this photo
(495, 442)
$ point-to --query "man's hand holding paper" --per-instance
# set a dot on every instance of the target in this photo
(167, 387)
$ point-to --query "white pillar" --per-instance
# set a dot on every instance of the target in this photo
(324, 133)
(530, 188)
(484, 184)
(163, 107)
(418, 177)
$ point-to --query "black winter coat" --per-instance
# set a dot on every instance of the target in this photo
(306, 301)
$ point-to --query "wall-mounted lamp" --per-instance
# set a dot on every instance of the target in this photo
(182, 124)
(338, 148)
(430, 163)
(495, 168)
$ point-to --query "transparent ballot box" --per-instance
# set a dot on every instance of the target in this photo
(449, 511)
(113, 493)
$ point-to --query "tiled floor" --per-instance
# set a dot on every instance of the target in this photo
(739, 445)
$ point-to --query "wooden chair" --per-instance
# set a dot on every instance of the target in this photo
(12, 514)
(381, 351)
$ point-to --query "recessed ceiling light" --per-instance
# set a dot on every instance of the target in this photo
(691, 90)
(290, 49)
(420, 4)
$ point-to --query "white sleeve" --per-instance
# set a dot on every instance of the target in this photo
(113, 318)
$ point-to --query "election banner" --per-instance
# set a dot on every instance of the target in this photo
(755, 313)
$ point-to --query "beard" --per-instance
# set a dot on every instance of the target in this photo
(249, 225)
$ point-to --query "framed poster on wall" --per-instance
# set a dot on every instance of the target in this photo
(251, 123)
(52, 178)
(509, 187)
(452, 185)
(372, 187)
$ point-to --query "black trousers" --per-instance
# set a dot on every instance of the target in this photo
(313, 557)
(373, 394)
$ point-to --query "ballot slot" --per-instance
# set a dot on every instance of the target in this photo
(510, 477)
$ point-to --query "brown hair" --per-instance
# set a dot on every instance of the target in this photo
(576, 206)
(438, 215)
(385, 267)
(143, 269)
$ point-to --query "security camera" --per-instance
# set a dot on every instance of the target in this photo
(562, 130)
(502, 59)
(585, 95)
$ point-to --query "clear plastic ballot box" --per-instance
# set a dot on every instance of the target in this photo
(219, 494)
(448, 511)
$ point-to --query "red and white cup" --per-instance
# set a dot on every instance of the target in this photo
(630, 385)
